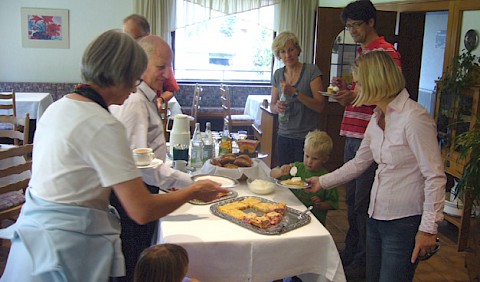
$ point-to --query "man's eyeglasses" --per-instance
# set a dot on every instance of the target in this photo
(354, 25)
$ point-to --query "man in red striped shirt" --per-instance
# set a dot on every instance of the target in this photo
(359, 18)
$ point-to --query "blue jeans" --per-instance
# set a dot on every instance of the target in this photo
(390, 244)
(289, 150)
(358, 199)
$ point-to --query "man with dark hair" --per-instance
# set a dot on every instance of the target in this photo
(138, 27)
(359, 18)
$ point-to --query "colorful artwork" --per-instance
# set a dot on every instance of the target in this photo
(44, 27)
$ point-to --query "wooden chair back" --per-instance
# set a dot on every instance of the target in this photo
(18, 130)
(8, 103)
(164, 114)
(15, 186)
(234, 120)
(197, 97)
(225, 99)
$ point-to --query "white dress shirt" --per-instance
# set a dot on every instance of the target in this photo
(410, 178)
(144, 129)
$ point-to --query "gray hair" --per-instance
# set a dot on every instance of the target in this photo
(281, 41)
(113, 59)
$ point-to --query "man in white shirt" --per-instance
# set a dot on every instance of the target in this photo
(144, 129)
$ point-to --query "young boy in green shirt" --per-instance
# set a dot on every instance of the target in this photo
(318, 146)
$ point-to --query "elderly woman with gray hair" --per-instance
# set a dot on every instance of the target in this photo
(300, 84)
(67, 230)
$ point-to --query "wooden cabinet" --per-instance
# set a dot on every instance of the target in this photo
(266, 133)
(455, 116)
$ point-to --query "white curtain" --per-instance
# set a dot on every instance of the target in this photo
(298, 16)
(196, 11)
(160, 14)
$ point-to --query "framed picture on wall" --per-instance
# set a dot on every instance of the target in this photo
(45, 28)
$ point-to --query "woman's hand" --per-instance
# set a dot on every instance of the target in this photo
(287, 89)
(345, 97)
(339, 82)
(280, 107)
(424, 243)
(207, 190)
(315, 184)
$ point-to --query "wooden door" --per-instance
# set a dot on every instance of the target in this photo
(410, 46)
(328, 27)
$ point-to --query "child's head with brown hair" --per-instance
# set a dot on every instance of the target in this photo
(317, 149)
(162, 263)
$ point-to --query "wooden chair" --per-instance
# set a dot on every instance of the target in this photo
(244, 121)
(195, 106)
(164, 114)
(17, 132)
(8, 103)
(12, 189)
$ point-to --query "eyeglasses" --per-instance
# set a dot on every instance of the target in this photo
(138, 82)
(355, 25)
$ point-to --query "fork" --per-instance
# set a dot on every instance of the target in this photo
(305, 212)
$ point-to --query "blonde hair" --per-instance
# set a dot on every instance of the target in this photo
(319, 142)
(162, 263)
(281, 41)
(379, 77)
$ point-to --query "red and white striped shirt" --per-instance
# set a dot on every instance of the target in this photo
(355, 119)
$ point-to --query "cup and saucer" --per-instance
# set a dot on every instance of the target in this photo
(145, 158)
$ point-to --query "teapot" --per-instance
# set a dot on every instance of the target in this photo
(180, 130)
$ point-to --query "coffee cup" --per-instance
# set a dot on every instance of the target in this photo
(143, 156)
(180, 165)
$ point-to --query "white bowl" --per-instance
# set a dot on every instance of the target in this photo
(260, 187)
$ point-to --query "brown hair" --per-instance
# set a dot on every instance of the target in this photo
(162, 263)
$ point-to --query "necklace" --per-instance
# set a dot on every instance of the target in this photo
(87, 91)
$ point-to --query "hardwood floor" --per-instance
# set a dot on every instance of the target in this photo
(447, 265)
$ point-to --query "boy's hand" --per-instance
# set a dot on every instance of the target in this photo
(317, 202)
(285, 169)
(315, 184)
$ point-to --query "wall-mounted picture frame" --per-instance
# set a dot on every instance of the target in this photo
(45, 28)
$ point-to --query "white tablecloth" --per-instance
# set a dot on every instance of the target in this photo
(252, 106)
(33, 103)
(220, 250)
(174, 106)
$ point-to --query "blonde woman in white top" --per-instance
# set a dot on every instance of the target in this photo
(407, 197)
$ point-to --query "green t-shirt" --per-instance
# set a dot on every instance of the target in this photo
(330, 196)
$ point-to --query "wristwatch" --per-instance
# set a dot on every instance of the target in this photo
(295, 94)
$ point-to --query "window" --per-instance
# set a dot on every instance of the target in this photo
(233, 48)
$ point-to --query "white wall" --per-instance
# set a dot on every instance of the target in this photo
(88, 18)
(471, 20)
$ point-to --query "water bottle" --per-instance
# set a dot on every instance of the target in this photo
(208, 144)
(226, 143)
(283, 117)
(197, 147)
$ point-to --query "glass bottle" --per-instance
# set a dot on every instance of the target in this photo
(226, 142)
(208, 144)
(197, 147)
(283, 117)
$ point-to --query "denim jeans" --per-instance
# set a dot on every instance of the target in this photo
(390, 244)
(358, 199)
(289, 150)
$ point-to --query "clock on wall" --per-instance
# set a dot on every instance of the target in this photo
(471, 40)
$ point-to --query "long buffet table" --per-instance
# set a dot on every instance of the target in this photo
(220, 250)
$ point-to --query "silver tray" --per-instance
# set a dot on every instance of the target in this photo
(290, 220)
(230, 195)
